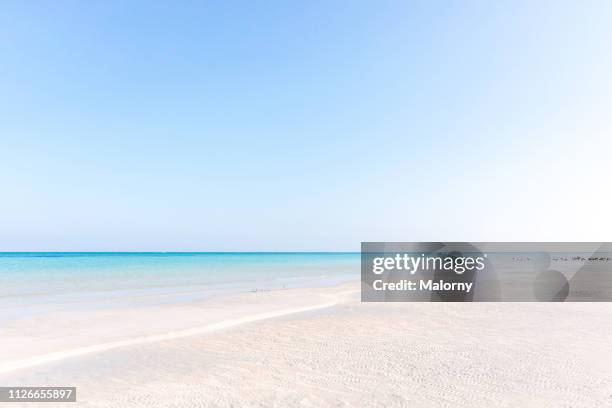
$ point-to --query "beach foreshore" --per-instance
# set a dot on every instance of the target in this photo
(317, 347)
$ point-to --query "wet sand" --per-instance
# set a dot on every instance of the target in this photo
(322, 347)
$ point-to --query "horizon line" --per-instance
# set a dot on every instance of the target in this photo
(180, 252)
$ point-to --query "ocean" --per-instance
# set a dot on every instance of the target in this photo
(37, 281)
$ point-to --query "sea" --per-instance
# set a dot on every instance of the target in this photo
(32, 282)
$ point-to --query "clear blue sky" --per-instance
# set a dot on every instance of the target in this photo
(302, 125)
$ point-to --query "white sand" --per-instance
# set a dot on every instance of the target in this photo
(321, 347)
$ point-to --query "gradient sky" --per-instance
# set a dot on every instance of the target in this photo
(303, 125)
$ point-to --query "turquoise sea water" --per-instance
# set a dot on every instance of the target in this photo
(55, 278)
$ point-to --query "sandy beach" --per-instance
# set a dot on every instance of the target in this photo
(313, 204)
(318, 347)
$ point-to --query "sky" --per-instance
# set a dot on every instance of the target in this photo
(302, 125)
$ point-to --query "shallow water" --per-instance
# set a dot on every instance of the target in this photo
(31, 281)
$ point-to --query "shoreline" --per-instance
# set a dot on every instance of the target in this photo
(275, 296)
(324, 348)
